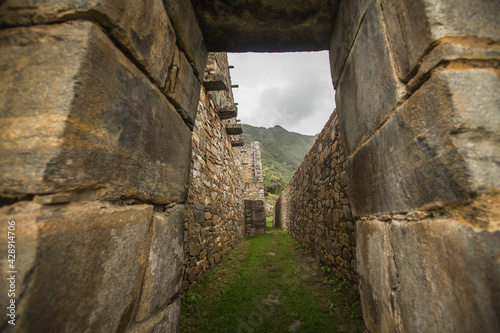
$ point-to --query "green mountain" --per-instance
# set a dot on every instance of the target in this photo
(282, 153)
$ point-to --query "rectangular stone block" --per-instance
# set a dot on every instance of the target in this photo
(78, 115)
(441, 147)
(164, 270)
(189, 35)
(414, 26)
(143, 30)
(183, 87)
(349, 18)
(368, 88)
(434, 275)
(80, 265)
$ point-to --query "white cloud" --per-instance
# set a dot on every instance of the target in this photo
(293, 90)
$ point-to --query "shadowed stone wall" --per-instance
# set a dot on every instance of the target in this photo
(419, 111)
(314, 207)
(214, 210)
(97, 102)
(417, 97)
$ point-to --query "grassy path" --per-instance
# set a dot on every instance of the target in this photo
(268, 284)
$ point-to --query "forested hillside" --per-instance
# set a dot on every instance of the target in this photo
(282, 153)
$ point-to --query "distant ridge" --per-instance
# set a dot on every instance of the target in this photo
(282, 153)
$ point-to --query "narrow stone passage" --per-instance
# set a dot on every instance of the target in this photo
(269, 284)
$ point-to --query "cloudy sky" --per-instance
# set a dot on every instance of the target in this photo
(293, 90)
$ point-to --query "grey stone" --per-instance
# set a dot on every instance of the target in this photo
(189, 35)
(183, 89)
(77, 115)
(349, 18)
(164, 321)
(164, 271)
(429, 278)
(145, 32)
(442, 146)
(457, 51)
(368, 88)
(67, 258)
(266, 25)
(414, 26)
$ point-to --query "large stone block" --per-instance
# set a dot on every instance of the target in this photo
(79, 266)
(183, 87)
(266, 25)
(414, 27)
(349, 18)
(442, 146)
(164, 271)
(435, 275)
(78, 115)
(143, 31)
(189, 35)
(368, 88)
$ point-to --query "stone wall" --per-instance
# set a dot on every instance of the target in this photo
(419, 112)
(214, 210)
(98, 98)
(254, 203)
(314, 208)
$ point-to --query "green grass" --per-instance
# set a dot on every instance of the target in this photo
(255, 291)
(269, 221)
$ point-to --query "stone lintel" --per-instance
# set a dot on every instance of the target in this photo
(215, 82)
(234, 129)
(227, 112)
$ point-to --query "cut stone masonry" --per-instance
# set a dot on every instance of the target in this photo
(111, 142)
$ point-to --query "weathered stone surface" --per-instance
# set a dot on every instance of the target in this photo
(255, 217)
(145, 32)
(165, 321)
(214, 212)
(183, 87)
(189, 35)
(164, 271)
(441, 147)
(368, 88)
(85, 118)
(253, 175)
(314, 208)
(266, 25)
(434, 275)
(471, 51)
(347, 23)
(68, 256)
(413, 26)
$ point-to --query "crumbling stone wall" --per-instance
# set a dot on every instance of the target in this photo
(317, 211)
(98, 98)
(254, 203)
(214, 210)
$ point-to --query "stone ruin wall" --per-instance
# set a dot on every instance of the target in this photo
(314, 208)
(98, 98)
(254, 202)
(214, 209)
(417, 88)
